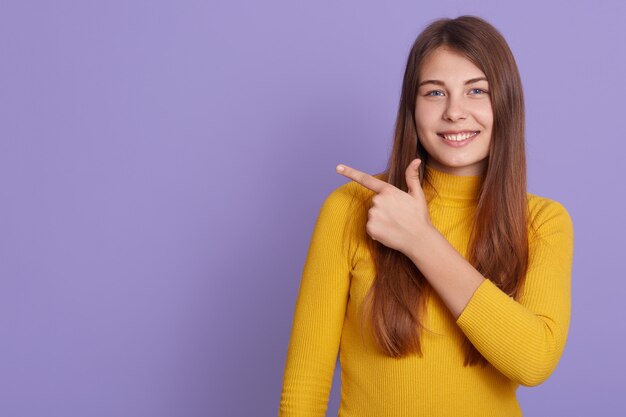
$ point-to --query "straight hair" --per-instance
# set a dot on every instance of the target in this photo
(498, 248)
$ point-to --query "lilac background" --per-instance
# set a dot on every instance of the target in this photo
(162, 164)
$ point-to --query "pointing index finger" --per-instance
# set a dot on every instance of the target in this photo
(366, 180)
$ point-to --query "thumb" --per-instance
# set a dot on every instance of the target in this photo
(413, 178)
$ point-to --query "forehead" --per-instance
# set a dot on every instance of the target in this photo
(448, 65)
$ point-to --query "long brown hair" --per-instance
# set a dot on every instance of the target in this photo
(498, 246)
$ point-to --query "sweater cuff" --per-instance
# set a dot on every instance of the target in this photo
(485, 305)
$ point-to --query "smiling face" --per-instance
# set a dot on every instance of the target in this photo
(453, 113)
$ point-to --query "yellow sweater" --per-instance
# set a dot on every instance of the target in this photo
(522, 341)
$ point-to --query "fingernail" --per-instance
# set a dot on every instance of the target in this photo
(340, 168)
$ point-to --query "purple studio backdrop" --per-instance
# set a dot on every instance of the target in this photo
(162, 164)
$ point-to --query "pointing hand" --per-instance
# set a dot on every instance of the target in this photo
(396, 218)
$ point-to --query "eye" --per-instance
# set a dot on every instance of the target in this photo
(478, 91)
(434, 93)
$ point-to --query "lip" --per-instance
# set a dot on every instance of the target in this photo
(460, 143)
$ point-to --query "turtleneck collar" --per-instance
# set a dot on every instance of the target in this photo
(451, 190)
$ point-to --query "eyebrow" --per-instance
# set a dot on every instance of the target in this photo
(437, 82)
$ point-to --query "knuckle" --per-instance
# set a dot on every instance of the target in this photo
(387, 189)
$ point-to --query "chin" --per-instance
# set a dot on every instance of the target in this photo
(461, 166)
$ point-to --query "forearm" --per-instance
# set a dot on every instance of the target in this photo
(453, 278)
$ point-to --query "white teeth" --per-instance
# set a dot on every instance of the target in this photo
(459, 136)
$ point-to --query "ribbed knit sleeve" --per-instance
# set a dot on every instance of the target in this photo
(319, 312)
(524, 340)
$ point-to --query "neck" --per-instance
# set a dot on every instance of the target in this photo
(449, 189)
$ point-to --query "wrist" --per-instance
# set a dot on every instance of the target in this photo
(423, 240)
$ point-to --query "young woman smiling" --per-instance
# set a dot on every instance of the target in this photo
(441, 282)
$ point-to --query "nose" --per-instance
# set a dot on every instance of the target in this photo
(454, 110)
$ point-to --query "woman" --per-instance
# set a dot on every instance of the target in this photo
(441, 282)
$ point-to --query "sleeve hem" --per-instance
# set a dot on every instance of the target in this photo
(471, 311)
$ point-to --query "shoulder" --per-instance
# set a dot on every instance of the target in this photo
(349, 194)
(347, 204)
(546, 215)
(343, 214)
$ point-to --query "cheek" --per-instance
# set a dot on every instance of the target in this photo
(426, 118)
(484, 116)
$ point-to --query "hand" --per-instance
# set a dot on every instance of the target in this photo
(396, 219)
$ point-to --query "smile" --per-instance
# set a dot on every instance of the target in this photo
(457, 136)
(457, 139)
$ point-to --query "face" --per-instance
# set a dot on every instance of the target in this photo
(453, 113)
